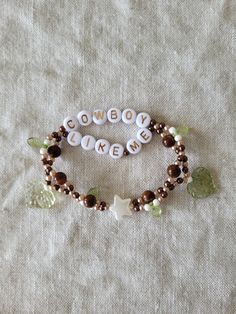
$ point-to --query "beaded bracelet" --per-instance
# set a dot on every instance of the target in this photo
(178, 172)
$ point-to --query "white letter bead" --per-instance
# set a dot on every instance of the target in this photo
(144, 135)
(116, 151)
(143, 120)
(129, 116)
(102, 146)
(134, 146)
(99, 117)
(71, 124)
(114, 115)
(88, 142)
(85, 117)
(74, 138)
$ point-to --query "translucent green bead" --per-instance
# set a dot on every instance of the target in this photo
(156, 211)
(38, 195)
(45, 199)
(203, 183)
(182, 130)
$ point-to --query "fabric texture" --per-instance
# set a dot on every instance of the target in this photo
(172, 59)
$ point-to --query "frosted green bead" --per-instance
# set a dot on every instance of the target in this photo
(37, 195)
(156, 211)
(182, 130)
(45, 199)
(203, 183)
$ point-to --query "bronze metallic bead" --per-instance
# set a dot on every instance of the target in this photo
(151, 128)
(54, 134)
(160, 190)
(185, 169)
(54, 151)
(179, 180)
(66, 191)
(62, 129)
(65, 134)
(182, 158)
(60, 178)
(126, 152)
(75, 195)
(90, 201)
(164, 194)
(59, 139)
(56, 187)
(181, 148)
(101, 206)
(173, 171)
(152, 122)
(71, 187)
(159, 130)
(168, 141)
(148, 196)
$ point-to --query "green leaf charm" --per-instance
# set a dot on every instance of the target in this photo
(182, 130)
(94, 191)
(37, 195)
(156, 211)
(36, 142)
(203, 183)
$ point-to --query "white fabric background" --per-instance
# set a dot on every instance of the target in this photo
(174, 59)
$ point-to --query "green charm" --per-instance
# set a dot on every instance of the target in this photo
(182, 130)
(203, 183)
(156, 211)
(94, 191)
(36, 142)
(37, 195)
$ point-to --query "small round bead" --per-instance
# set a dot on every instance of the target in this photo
(156, 202)
(173, 171)
(164, 194)
(60, 178)
(185, 169)
(126, 152)
(181, 148)
(43, 151)
(179, 180)
(101, 206)
(168, 141)
(89, 201)
(66, 191)
(182, 158)
(153, 122)
(178, 137)
(160, 190)
(56, 187)
(75, 195)
(161, 125)
(172, 130)
(148, 196)
(62, 129)
(54, 151)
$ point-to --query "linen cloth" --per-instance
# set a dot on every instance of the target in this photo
(173, 59)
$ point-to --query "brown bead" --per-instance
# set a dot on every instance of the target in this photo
(168, 141)
(66, 191)
(151, 128)
(171, 187)
(90, 201)
(153, 122)
(160, 190)
(176, 150)
(162, 125)
(101, 206)
(159, 130)
(173, 171)
(60, 178)
(48, 182)
(54, 134)
(62, 129)
(54, 151)
(75, 195)
(126, 152)
(164, 194)
(56, 187)
(71, 187)
(65, 134)
(167, 184)
(181, 148)
(148, 196)
(185, 169)
(58, 139)
(182, 158)
(179, 180)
